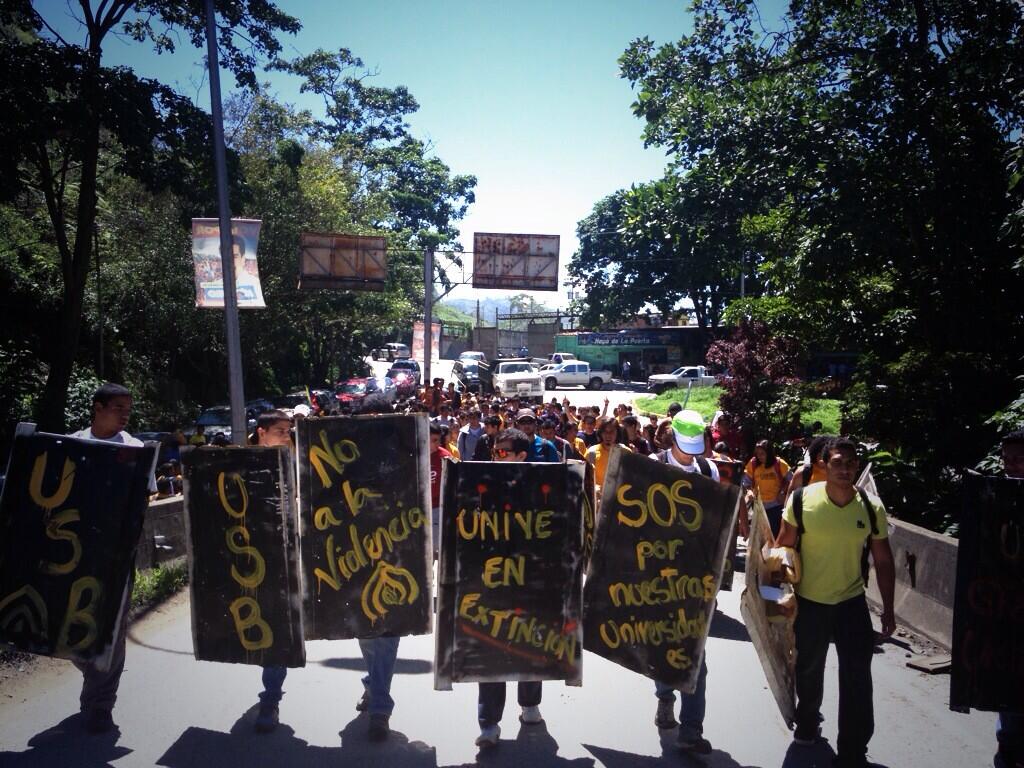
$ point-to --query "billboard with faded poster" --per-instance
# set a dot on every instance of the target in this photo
(245, 237)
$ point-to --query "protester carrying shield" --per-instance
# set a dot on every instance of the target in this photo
(686, 453)
(830, 524)
(510, 445)
(274, 429)
(111, 409)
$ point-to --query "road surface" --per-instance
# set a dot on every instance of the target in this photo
(174, 711)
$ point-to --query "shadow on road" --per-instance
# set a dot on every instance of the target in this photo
(282, 749)
(670, 756)
(65, 745)
(819, 755)
(727, 628)
(402, 666)
(533, 747)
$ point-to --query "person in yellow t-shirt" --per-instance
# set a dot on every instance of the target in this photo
(830, 533)
(608, 432)
(767, 477)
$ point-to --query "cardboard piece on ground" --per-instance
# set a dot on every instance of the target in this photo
(70, 519)
(774, 641)
(364, 510)
(510, 573)
(932, 664)
(246, 598)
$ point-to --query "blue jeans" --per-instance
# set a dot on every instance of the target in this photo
(1010, 732)
(693, 705)
(491, 700)
(379, 654)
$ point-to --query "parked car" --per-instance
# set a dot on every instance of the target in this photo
(472, 355)
(473, 375)
(393, 350)
(352, 392)
(217, 420)
(575, 373)
(290, 400)
(255, 407)
(517, 377)
(681, 377)
(404, 369)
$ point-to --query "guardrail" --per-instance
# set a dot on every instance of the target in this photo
(925, 581)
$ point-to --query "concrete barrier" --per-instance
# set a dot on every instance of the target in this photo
(925, 581)
(163, 533)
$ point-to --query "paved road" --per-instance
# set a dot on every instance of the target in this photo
(177, 712)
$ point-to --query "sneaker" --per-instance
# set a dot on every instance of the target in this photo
(489, 735)
(531, 716)
(364, 703)
(806, 738)
(379, 729)
(99, 721)
(266, 718)
(666, 716)
(693, 742)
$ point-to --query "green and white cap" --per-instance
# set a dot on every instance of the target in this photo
(688, 428)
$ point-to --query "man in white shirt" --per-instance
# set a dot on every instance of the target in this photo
(111, 409)
(686, 453)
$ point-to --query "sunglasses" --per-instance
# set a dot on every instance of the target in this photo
(502, 453)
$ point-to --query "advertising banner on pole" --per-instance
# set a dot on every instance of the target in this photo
(245, 237)
(417, 341)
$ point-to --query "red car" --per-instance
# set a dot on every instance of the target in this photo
(351, 392)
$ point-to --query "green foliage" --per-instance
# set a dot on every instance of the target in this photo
(871, 155)
(1005, 421)
(157, 584)
(761, 391)
(705, 400)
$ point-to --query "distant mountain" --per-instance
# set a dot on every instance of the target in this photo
(487, 308)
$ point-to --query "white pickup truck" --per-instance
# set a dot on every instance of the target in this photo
(681, 377)
(575, 373)
(517, 378)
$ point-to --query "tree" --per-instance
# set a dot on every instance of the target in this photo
(64, 111)
(865, 145)
(761, 388)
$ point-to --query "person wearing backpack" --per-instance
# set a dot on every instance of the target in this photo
(686, 453)
(831, 524)
(768, 477)
(813, 468)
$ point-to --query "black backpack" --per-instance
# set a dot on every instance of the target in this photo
(798, 513)
(702, 464)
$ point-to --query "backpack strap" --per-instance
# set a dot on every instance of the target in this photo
(870, 509)
(798, 513)
(704, 465)
(806, 473)
(662, 456)
(865, 564)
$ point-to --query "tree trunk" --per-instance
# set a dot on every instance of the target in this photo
(50, 409)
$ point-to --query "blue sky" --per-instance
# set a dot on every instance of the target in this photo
(524, 95)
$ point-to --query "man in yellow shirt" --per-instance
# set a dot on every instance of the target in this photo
(830, 523)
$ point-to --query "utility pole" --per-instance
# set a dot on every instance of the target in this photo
(236, 396)
(428, 313)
